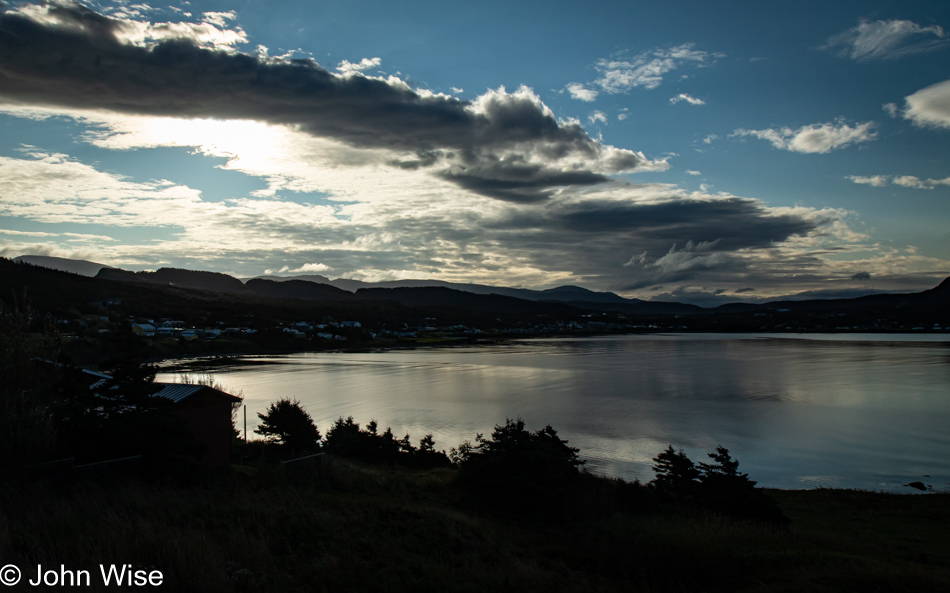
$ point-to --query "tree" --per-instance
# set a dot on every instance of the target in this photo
(675, 473)
(286, 422)
(516, 467)
(725, 490)
(717, 487)
(724, 474)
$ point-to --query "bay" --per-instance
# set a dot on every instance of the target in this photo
(798, 411)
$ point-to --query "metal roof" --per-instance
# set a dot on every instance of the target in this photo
(177, 392)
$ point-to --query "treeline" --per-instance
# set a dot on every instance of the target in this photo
(517, 469)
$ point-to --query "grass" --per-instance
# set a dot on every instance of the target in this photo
(364, 528)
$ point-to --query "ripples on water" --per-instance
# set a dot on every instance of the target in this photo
(798, 412)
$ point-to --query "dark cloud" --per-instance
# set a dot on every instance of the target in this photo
(861, 276)
(77, 58)
(733, 222)
(515, 180)
(747, 289)
(627, 246)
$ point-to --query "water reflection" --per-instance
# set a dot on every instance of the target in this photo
(869, 412)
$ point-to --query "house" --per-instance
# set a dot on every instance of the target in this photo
(143, 329)
(207, 413)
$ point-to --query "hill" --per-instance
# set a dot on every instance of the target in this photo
(442, 298)
(73, 266)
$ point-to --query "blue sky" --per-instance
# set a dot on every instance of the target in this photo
(678, 150)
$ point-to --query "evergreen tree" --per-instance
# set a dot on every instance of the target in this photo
(288, 423)
(675, 473)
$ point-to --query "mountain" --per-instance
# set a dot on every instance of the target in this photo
(436, 293)
(199, 280)
(440, 297)
(295, 289)
(73, 266)
(561, 294)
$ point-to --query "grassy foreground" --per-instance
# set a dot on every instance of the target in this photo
(363, 528)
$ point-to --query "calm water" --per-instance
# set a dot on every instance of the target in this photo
(856, 411)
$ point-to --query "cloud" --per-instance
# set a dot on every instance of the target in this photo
(891, 109)
(875, 180)
(914, 182)
(709, 139)
(930, 106)
(581, 93)
(687, 98)
(55, 54)
(312, 268)
(886, 40)
(648, 68)
(861, 276)
(347, 67)
(902, 180)
(597, 116)
(691, 172)
(73, 18)
(814, 138)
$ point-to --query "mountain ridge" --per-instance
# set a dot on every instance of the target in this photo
(320, 288)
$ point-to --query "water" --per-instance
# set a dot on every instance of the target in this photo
(850, 411)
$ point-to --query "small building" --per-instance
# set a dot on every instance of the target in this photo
(143, 329)
(207, 413)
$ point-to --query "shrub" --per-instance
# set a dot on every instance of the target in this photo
(346, 438)
(286, 422)
(717, 487)
(516, 467)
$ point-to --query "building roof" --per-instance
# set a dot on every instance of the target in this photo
(177, 392)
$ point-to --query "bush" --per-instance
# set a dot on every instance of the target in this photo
(286, 422)
(519, 468)
(347, 439)
(717, 487)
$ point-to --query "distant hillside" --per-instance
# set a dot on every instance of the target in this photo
(484, 299)
(561, 294)
(199, 280)
(73, 266)
(439, 297)
(638, 307)
(295, 289)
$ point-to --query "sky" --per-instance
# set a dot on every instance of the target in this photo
(691, 151)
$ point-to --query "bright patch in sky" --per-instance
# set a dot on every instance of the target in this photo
(696, 154)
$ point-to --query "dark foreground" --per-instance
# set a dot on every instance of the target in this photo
(361, 528)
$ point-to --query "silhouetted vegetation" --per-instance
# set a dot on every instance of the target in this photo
(519, 468)
(120, 419)
(287, 423)
(27, 386)
(347, 439)
(718, 487)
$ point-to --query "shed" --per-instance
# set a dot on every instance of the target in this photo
(207, 413)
